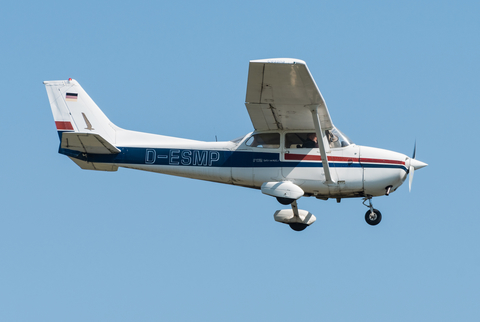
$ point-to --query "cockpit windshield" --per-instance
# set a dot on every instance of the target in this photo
(337, 139)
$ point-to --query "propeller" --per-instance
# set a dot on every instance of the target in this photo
(413, 165)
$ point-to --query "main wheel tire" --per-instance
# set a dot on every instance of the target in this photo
(298, 226)
(285, 201)
(373, 219)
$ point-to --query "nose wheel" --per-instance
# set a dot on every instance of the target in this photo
(372, 216)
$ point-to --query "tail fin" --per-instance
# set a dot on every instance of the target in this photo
(74, 110)
(81, 125)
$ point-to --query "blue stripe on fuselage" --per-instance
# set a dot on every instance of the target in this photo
(208, 158)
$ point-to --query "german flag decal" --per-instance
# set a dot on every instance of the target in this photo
(71, 96)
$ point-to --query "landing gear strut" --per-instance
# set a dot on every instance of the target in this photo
(297, 226)
(372, 216)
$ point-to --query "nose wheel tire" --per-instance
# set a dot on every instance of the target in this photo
(373, 217)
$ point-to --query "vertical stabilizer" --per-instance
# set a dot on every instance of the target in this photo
(74, 111)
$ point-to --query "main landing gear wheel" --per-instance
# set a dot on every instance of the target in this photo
(298, 226)
(373, 217)
(285, 201)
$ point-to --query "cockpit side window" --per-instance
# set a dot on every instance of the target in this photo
(264, 140)
(335, 138)
(301, 140)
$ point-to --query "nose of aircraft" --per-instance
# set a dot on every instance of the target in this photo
(417, 164)
(413, 165)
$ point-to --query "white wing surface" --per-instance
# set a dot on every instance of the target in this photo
(281, 94)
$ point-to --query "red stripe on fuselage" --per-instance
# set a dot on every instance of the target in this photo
(381, 161)
(311, 157)
(64, 126)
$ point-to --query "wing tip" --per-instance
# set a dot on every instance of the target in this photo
(60, 82)
(289, 61)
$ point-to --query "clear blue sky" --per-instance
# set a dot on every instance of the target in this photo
(80, 245)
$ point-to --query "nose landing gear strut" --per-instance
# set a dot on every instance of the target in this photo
(372, 216)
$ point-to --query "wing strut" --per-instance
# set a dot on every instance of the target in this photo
(321, 144)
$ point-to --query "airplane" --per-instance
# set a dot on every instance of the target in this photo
(295, 150)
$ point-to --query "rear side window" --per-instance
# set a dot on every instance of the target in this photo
(264, 140)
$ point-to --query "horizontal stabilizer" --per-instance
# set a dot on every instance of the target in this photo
(87, 143)
(95, 166)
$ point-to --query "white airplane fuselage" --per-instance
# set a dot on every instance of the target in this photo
(358, 170)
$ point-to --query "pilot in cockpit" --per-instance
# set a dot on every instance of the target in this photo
(311, 141)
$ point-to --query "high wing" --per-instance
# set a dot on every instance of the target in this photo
(281, 94)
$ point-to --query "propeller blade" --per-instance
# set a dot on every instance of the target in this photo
(413, 165)
(411, 170)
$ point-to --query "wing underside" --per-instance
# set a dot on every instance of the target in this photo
(281, 94)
